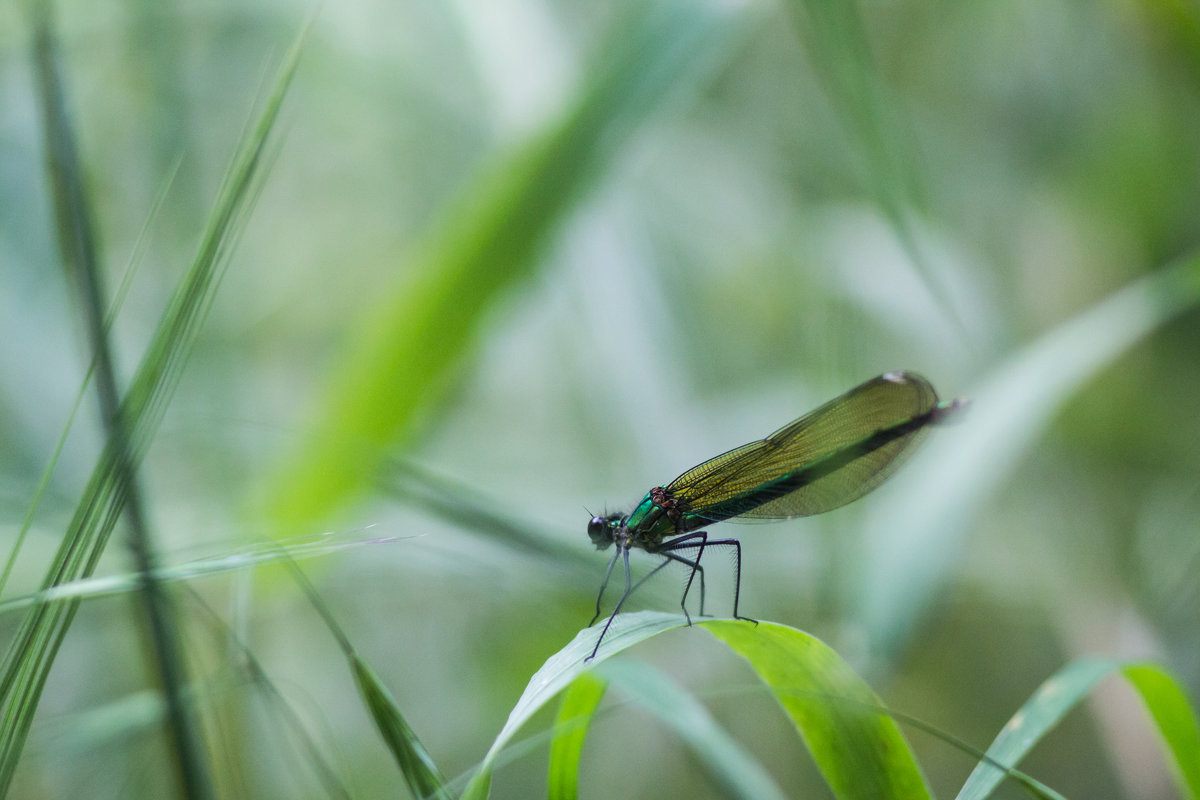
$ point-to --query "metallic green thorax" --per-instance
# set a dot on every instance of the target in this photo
(649, 523)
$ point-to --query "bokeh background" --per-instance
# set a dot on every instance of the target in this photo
(788, 202)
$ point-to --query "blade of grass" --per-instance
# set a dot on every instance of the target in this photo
(118, 301)
(315, 755)
(560, 670)
(33, 649)
(1034, 787)
(474, 511)
(244, 558)
(78, 248)
(575, 714)
(1175, 719)
(737, 771)
(489, 242)
(416, 764)
(920, 521)
(414, 760)
(1056, 697)
(81, 732)
(852, 738)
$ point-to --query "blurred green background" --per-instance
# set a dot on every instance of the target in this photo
(624, 238)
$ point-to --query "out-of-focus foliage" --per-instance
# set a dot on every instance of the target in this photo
(936, 186)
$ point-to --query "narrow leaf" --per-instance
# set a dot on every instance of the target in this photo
(417, 766)
(561, 669)
(1048, 705)
(1057, 696)
(1176, 721)
(244, 558)
(414, 761)
(839, 48)
(575, 714)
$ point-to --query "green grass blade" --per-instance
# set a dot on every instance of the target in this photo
(1175, 718)
(837, 43)
(561, 669)
(922, 518)
(77, 245)
(737, 771)
(1048, 705)
(32, 650)
(244, 558)
(854, 742)
(489, 242)
(48, 471)
(315, 755)
(1058, 695)
(417, 766)
(476, 512)
(415, 762)
(575, 713)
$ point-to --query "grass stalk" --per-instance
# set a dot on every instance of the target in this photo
(77, 243)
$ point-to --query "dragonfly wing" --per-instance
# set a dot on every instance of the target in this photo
(823, 460)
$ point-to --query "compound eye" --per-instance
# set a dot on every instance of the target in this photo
(596, 527)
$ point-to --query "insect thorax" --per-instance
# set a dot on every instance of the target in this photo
(653, 520)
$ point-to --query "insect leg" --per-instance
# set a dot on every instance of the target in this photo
(604, 585)
(628, 591)
(705, 543)
(737, 568)
(689, 542)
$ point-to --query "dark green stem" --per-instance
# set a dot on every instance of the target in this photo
(79, 252)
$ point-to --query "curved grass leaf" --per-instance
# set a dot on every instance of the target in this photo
(855, 743)
(920, 521)
(1165, 701)
(402, 356)
(575, 714)
(1175, 718)
(737, 771)
(561, 669)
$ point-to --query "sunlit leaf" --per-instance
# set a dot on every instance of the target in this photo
(853, 740)
(1175, 718)
(855, 743)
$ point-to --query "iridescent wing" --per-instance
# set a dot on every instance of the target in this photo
(823, 460)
